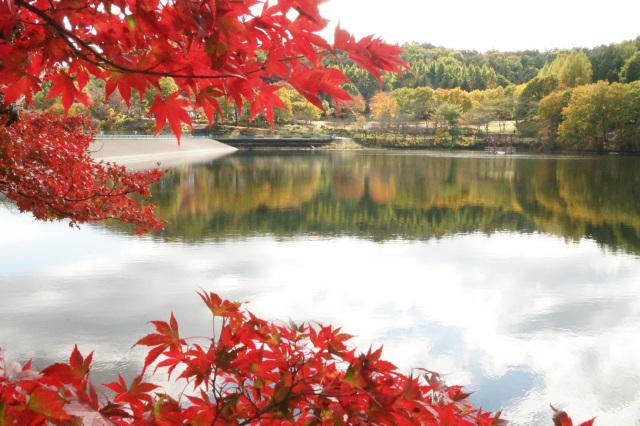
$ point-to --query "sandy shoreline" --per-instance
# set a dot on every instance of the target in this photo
(142, 154)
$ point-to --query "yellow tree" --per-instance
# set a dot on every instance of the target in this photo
(593, 116)
(297, 107)
(631, 70)
(455, 96)
(550, 116)
(384, 107)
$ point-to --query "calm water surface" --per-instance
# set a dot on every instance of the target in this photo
(518, 277)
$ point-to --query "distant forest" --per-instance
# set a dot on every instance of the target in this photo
(578, 99)
(441, 68)
(584, 99)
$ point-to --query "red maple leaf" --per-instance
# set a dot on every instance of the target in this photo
(74, 372)
(65, 86)
(19, 84)
(48, 403)
(57, 178)
(371, 53)
(311, 82)
(167, 336)
(206, 99)
(561, 418)
(171, 110)
(124, 82)
(264, 102)
(137, 392)
(219, 307)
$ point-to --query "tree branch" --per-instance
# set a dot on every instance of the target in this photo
(104, 62)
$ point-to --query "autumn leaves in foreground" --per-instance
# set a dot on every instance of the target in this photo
(54, 177)
(250, 371)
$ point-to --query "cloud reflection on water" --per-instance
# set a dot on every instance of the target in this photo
(524, 320)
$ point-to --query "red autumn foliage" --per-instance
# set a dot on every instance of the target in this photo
(46, 169)
(561, 418)
(250, 371)
(241, 51)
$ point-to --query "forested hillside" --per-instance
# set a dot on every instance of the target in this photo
(580, 99)
(445, 68)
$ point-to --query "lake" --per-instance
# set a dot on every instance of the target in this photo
(515, 276)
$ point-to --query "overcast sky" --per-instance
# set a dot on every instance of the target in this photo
(490, 24)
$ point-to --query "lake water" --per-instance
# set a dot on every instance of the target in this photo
(516, 276)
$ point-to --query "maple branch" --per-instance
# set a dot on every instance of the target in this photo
(60, 212)
(103, 61)
(282, 403)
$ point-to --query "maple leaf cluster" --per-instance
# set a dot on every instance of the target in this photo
(46, 169)
(250, 371)
(238, 50)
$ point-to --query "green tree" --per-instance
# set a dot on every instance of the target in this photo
(629, 136)
(480, 116)
(416, 103)
(364, 82)
(571, 70)
(448, 115)
(298, 108)
(607, 61)
(528, 99)
(631, 69)
(503, 110)
(539, 87)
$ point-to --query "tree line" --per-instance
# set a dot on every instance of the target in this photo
(580, 99)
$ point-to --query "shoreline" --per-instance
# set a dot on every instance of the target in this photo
(150, 153)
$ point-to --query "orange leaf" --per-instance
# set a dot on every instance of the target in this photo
(219, 307)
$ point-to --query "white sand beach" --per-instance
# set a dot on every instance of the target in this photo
(144, 154)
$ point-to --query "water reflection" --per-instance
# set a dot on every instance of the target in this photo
(381, 196)
(466, 266)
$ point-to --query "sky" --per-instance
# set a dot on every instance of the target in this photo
(503, 25)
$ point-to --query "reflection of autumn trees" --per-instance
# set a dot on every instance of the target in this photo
(593, 198)
(237, 187)
(349, 183)
(408, 195)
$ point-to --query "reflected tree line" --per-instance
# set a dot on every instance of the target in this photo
(382, 196)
